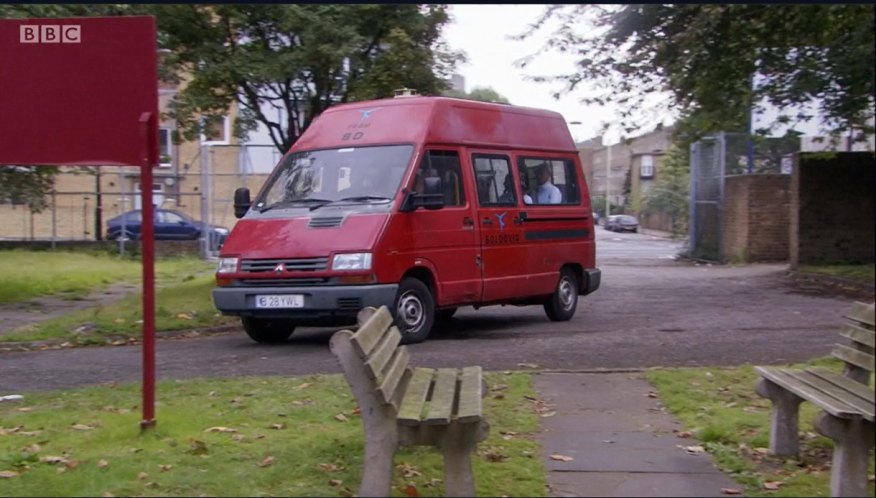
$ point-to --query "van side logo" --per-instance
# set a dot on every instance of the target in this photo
(366, 113)
(501, 218)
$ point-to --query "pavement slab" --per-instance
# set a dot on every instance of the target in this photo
(620, 439)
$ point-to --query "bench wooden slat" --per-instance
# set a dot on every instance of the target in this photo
(866, 396)
(369, 334)
(787, 380)
(853, 356)
(440, 407)
(381, 354)
(411, 410)
(859, 335)
(863, 313)
(470, 386)
(389, 380)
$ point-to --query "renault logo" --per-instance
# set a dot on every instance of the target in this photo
(279, 268)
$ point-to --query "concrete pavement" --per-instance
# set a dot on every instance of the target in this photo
(619, 440)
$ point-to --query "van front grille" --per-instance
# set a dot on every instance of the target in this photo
(269, 265)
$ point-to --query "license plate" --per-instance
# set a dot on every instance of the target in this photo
(279, 301)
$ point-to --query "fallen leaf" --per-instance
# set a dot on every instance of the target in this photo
(102, 463)
(494, 456)
(81, 427)
(335, 482)
(197, 447)
(771, 485)
(652, 394)
(303, 386)
(151, 484)
(871, 478)
(433, 483)
(328, 467)
(278, 426)
(32, 448)
(164, 467)
(267, 461)
(51, 459)
(731, 491)
(184, 316)
(107, 494)
(548, 414)
(527, 365)
(220, 429)
(561, 458)
(762, 451)
(411, 490)
(8, 474)
(341, 417)
(693, 450)
(25, 409)
(357, 411)
(685, 434)
(499, 387)
(238, 437)
(142, 475)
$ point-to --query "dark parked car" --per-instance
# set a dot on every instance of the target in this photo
(169, 225)
(622, 223)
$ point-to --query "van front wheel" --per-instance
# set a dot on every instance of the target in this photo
(561, 306)
(414, 311)
(267, 330)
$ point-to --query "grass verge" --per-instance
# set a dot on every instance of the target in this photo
(720, 407)
(242, 437)
(25, 275)
(862, 273)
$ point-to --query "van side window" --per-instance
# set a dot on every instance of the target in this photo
(443, 164)
(542, 174)
(494, 180)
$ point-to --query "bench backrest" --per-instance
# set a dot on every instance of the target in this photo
(858, 357)
(376, 343)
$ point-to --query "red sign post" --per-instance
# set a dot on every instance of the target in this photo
(84, 92)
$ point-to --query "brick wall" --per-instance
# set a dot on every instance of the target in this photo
(833, 211)
(756, 218)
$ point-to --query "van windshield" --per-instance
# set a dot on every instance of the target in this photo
(352, 174)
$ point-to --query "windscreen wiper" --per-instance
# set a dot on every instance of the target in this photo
(358, 198)
(296, 201)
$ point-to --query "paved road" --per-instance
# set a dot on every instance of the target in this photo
(650, 311)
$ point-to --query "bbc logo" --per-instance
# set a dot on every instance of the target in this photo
(50, 33)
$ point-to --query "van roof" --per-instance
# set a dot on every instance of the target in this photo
(437, 121)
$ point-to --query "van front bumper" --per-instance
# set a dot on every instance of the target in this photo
(319, 302)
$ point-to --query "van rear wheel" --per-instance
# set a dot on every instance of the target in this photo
(268, 330)
(561, 306)
(414, 311)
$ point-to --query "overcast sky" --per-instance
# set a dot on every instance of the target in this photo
(482, 31)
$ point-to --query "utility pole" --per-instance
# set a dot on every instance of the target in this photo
(607, 173)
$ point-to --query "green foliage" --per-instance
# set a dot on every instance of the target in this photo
(670, 192)
(483, 94)
(298, 58)
(705, 58)
(241, 437)
(28, 185)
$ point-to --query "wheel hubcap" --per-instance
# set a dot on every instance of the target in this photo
(566, 294)
(410, 309)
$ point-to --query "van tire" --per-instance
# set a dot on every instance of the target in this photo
(414, 310)
(268, 330)
(562, 304)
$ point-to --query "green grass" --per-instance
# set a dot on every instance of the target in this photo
(720, 407)
(287, 440)
(25, 275)
(863, 273)
(185, 305)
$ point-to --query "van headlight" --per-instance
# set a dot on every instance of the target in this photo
(227, 265)
(353, 261)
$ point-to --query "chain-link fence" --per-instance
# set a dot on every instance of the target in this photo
(712, 159)
(84, 200)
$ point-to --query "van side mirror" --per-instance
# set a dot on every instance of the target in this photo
(241, 202)
(414, 201)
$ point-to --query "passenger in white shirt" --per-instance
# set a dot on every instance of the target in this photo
(546, 192)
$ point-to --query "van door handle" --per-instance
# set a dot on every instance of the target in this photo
(467, 222)
(520, 218)
(487, 221)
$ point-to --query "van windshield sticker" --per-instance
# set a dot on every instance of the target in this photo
(348, 149)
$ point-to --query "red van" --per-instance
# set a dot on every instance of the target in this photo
(422, 204)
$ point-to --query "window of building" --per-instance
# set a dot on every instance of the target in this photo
(165, 148)
(216, 130)
(647, 166)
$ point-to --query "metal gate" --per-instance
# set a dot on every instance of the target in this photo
(706, 197)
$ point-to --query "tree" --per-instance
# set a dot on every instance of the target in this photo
(483, 94)
(670, 192)
(297, 60)
(718, 61)
(28, 185)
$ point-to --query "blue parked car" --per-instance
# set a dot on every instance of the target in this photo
(168, 225)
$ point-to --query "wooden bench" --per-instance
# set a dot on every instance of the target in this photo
(402, 405)
(846, 401)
